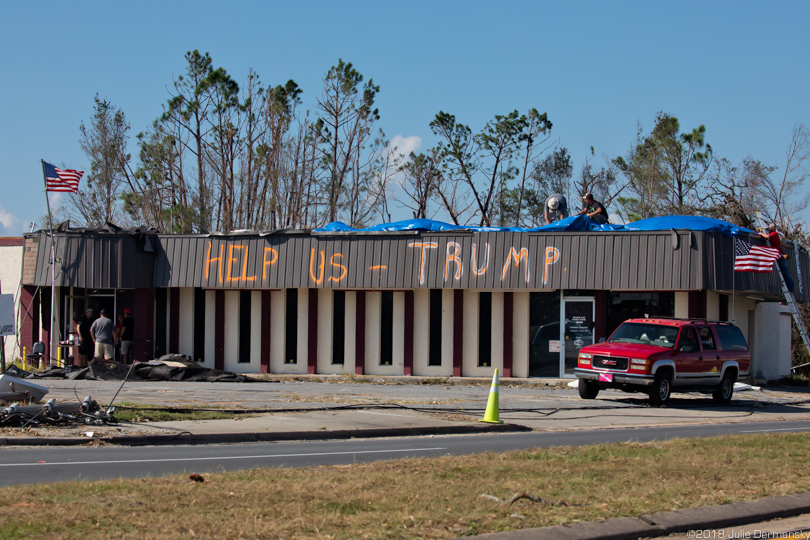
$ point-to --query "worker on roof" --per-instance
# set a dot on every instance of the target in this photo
(593, 209)
(556, 208)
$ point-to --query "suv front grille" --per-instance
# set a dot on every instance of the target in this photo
(610, 362)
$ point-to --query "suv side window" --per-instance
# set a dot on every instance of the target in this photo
(707, 339)
(731, 338)
(688, 340)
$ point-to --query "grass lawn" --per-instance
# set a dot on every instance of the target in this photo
(418, 498)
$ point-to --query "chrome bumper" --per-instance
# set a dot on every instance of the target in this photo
(618, 378)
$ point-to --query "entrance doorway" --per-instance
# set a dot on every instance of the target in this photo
(578, 313)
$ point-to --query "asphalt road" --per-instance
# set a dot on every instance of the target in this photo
(52, 464)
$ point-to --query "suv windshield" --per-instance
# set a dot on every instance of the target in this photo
(646, 334)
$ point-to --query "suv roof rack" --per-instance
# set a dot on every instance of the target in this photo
(690, 319)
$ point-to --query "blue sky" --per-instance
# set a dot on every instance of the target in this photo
(597, 68)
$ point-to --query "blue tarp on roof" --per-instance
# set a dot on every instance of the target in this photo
(577, 223)
(573, 223)
(695, 223)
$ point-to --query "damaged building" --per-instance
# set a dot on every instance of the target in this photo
(420, 298)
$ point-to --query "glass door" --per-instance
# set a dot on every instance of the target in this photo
(578, 314)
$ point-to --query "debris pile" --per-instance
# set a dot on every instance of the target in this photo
(170, 367)
(88, 412)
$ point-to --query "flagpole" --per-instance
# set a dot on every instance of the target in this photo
(53, 263)
(733, 279)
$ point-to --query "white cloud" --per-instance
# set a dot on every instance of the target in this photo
(9, 223)
(405, 145)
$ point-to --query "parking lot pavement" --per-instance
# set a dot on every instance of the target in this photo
(312, 409)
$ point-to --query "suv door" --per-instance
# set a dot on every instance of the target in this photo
(687, 357)
(711, 357)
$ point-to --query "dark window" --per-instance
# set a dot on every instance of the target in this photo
(634, 305)
(723, 307)
(544, 334)
(731, 339)
(244, 327)
(199, 325)
(707, 339)
(688, 341)
(435, 330)
(485, 329)
(338, 327)
(386, 328)
(291, 328)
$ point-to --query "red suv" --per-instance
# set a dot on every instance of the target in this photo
(659, 356)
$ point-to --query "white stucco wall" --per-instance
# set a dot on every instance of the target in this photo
(682, 304)
(520, 334)
(470, 333)
(350, 330)
(421, 335)
(10, 274)
(770, 341)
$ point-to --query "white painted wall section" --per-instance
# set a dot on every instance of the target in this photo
(520, 334)
(447, 332)
(421, 334)
(497, 331)
(10, 275)
(350, 328)
(470, 333)
(230, 330)
(210, 328)
(326, 308)
(682, 304)
(255, 334)
(770, 343)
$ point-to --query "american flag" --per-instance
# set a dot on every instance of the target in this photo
(59, 180)
(754, 258)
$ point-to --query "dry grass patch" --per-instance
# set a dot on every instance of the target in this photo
(418, 498)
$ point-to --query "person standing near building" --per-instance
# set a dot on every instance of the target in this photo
(556, 208)
(127, 336)
(773, 238)
(85, 337)
(593, 209)
(102, 331)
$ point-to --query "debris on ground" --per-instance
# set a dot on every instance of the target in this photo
(170, 367)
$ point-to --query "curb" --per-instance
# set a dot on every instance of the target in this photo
(666, 523)
(221, 438)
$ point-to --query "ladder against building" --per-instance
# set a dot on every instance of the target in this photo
(796, 311)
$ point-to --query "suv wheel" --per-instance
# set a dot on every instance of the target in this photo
(588, 389)
(661, 388)
(726, 389)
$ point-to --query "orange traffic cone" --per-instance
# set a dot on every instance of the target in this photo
(491, 414)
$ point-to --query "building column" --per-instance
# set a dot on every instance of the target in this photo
(360, 334)
(312, 331)
(408, 330)
(458, 331)
(266, 315)
(697, 304)
(508, 329)
(174, 320)
(45, 310)
(219, 329)
(29, 316)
